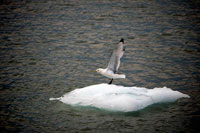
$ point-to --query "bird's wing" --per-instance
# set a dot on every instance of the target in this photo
(114, 62)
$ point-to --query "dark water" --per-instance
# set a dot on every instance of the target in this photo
(48, 48)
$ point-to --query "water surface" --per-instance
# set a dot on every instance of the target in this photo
(49, 48)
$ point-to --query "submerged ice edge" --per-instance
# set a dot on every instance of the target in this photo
(119, 98)
(52, 99)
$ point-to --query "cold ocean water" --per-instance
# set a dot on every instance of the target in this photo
(49, 48)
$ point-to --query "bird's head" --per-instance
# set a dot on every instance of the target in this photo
(99, 70)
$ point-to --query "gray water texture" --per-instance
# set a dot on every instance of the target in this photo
(51, 47)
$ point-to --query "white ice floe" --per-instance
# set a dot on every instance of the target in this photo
(119, 98)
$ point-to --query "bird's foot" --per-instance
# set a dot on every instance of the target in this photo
(110, 81)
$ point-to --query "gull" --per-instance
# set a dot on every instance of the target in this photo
(114, 63)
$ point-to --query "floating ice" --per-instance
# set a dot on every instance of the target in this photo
(119, 98)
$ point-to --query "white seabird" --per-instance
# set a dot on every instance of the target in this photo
(114, 63)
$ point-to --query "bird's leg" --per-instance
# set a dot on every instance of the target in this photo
(110, 81)
(124, 49)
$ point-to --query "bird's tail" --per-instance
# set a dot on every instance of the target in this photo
(120, 76)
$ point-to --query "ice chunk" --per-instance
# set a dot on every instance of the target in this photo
(119, 98)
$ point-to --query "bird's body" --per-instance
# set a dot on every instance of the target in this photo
(114, 63)
(109, 74)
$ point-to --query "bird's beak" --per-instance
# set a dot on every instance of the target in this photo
(95, 70)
